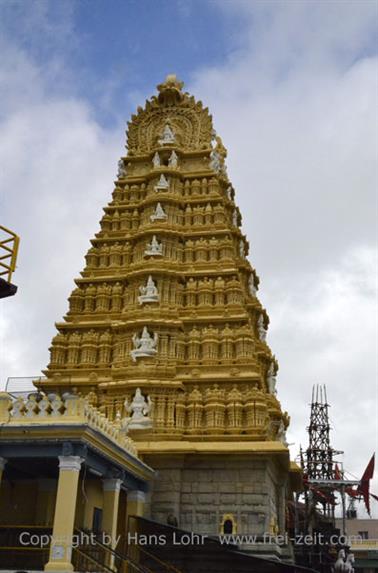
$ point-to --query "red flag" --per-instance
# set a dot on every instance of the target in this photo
(363, 488)
(337, 472)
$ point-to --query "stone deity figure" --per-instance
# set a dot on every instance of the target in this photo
(148, 293)
(156, 160)
(229, 192)
(235, 218)
(167, 136)
(219, 147)
(215, 161)
(173, 159)
(154, 249)
(242, 249)
(261, 328)
(139, 409)
(271, 379)
(281, 433)
(162, 184)
(218, 155)
(145, 345)
(121, 169)
(159, 214)
(252, 286)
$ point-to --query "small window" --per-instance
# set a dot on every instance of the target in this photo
(228, 527)
(363, 534)
(228, 524)
(97, 520)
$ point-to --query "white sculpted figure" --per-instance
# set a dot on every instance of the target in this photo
(167, 136)
(261, 328)
(148, 293)
(162, 184)
(139, 409)
(339, 566)
(252, 286)
(229, 192)
(156, 160)
(242, 249)
(173, 160)
(281, 433)
(154, 249)
(271, 379)
(215, 161)
(121, 169)
(144, 345)
(235, 218)
(348, 567)
(159, 214)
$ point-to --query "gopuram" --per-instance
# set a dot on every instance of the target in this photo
(165, 331)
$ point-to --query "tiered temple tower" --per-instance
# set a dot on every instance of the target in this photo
(167, 303)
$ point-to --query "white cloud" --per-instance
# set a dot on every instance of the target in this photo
(58, 166)
(297, 111)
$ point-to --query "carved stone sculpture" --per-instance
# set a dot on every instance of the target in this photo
(271, 379)
(144, 345)
(167, 136)
(162, 184)
(252, 286)
(139, 409)
(215, 161)
(148, 293)
(173, 160)
(261, 328)
(348, 567)
(154, 249)
(156, 160)
(340, 562)
(121, 169)
(281, 433)
(159, 214)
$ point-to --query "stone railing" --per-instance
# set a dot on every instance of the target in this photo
(70, 409)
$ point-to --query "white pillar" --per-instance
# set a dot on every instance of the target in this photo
(111, 489)
(61, 543)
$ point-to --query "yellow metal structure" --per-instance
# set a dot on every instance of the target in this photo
(9, 243)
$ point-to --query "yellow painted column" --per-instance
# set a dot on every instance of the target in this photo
(3, 461)
(61, 544)
(111, 489)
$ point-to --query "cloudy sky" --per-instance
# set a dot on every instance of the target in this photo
(293, 91)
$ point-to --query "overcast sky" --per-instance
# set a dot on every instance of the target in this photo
(292, 87)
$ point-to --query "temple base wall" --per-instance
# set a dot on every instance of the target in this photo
(201, 491)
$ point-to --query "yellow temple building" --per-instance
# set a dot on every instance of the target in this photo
(160, 396)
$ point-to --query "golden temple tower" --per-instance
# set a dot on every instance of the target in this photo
(166, 313)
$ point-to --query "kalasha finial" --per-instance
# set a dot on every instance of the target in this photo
(170, 90)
